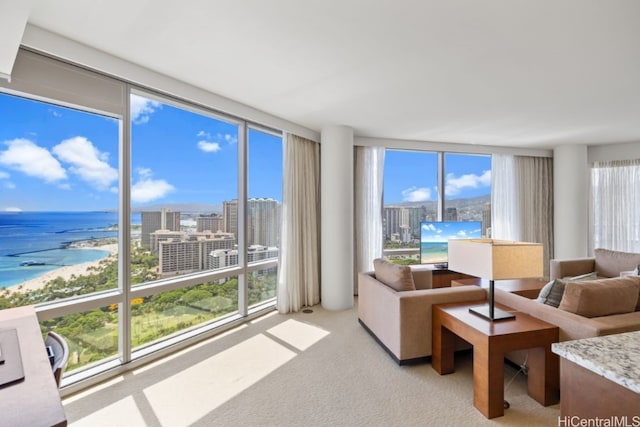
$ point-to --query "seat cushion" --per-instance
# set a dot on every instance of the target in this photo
(397, 277)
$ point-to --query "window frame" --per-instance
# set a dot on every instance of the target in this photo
(127, 358)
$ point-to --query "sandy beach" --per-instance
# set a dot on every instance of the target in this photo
(65, 272)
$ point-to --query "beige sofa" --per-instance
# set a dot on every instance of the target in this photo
(604, 262)
(607, 265)
(400, 320)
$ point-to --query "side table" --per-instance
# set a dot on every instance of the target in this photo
(491, 340)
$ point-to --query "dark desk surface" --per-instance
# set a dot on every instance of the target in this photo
(34, 401)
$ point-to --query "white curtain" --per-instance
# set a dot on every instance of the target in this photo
(368, 181)
(505, 222)
(522, 201)
(615, 205)
(298, 275)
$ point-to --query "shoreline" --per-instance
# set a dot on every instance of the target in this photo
(65, 271)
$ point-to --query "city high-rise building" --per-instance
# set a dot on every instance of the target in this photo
(403, 222)
(263, 222)
(190, 252)
(451, 214)
(162, 236)
(152, 221)
(213, 222)
(230, 217)
(486, 220)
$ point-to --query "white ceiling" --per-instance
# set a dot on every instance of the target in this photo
(531, 73)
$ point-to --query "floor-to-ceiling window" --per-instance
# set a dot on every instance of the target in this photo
(59, 216)
(264, 205)
(437, 188)
(132, 229)
(614, 211)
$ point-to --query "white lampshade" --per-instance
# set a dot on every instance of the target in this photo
(496, 259)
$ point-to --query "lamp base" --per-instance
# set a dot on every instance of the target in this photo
(497, 313)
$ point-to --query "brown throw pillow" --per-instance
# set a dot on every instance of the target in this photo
(395, 276)
(601, 297)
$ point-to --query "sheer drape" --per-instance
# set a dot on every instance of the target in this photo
(504, 207)
(522, 201)
(369, 171)
(615, 205)
(298, 275)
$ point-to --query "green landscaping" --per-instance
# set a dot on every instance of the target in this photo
(93, 335)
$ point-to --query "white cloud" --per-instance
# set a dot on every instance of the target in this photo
(150, 189)
(9, 185)
(147, 189)
(87, 162)
(33, 160)
(454, 185)
(430, 227)
(209, 147)
(416, 194)
(12, 209)
(144, 172)
(4, 175)
(204, 134)
(142, 108)
(228, 138)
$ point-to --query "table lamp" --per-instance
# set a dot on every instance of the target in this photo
(495, 260)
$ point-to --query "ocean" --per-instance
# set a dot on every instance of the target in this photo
(42, 237)
(433, 252)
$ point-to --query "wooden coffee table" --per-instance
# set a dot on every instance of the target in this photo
(491, 340)
(528, 288)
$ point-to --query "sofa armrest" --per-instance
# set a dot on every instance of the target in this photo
(560, 268)
(416, 314)
(401, 321)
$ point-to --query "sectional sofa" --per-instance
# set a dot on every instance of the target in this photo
(603, 304)
(394, 306)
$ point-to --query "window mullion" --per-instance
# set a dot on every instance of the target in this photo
(243, 283)
(124, 239)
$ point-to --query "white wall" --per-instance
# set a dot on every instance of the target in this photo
(60, 47)
(13, 19)
(336, 217)
(609, 152)
(570, 201)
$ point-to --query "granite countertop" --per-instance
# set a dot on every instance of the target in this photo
(615, 357)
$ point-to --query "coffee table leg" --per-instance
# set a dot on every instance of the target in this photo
(443, 349)
(543, 381)
(488, 381)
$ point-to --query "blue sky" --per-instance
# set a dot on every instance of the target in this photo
(412, 176)
(55, 158)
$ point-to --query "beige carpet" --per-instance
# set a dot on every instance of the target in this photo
(318, 369)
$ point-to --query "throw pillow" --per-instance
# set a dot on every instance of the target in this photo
(610, 263)
(395, 276)
(600, 297)
(551, 293)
